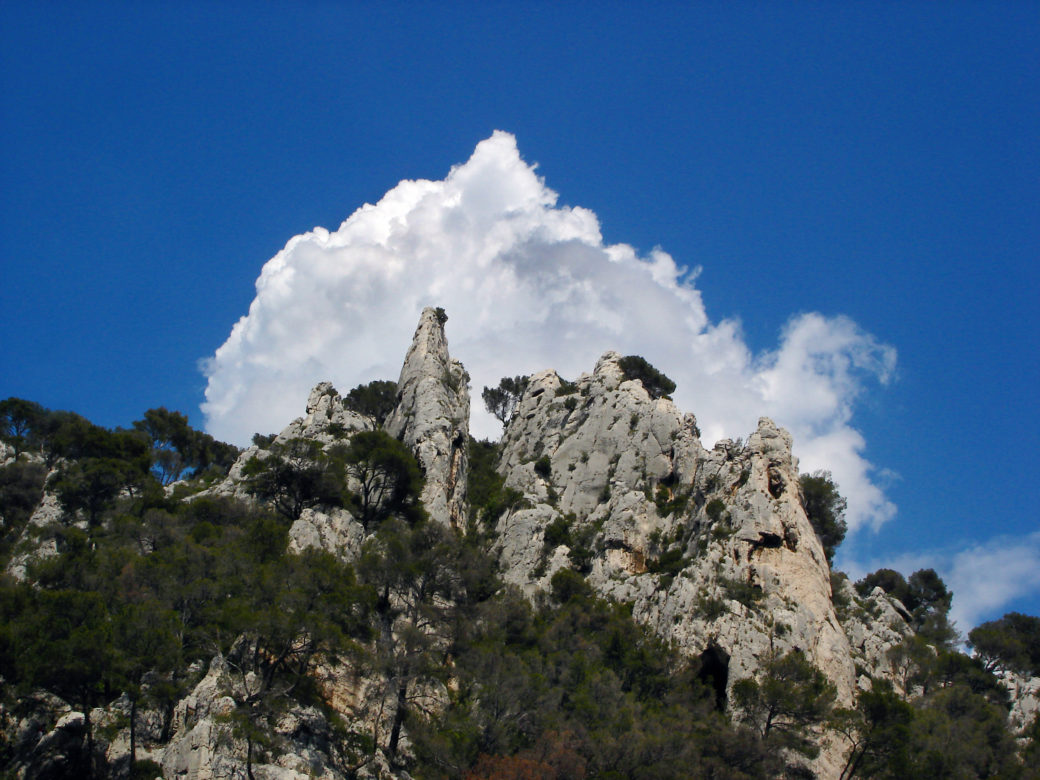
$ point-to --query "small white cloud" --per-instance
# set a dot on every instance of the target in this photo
(529, 285)
(987, 576)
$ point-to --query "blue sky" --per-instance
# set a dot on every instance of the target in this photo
(873, 161)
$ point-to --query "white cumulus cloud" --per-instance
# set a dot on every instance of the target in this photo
(529, 285)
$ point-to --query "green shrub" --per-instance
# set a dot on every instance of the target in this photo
(557, 532)
(710, 607)
(670, 562)
(744, 592)
(581, 547)
(669, 502)
(838, 595)
(567, 388)
(543, 467)
(567, 585)
(721, 532)
(264, 440)
(654, 382)
(715, 509)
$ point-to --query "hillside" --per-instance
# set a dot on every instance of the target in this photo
(373, 593)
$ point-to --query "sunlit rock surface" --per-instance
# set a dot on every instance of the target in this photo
(432, 418)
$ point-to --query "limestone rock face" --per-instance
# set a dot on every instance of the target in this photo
(204, 746)
(47, 513)
(46, 740)
(712, 548)
(193, 752)
(326, 419)
(328, 422)
(1025, 699)
(432, 418)
(335, 531)
(874, 626)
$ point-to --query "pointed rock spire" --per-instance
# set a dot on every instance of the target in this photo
(432, 418)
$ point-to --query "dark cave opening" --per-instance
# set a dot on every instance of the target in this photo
(714, 673)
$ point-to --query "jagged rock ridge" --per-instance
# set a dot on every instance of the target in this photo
(711, 548)
(621, 464)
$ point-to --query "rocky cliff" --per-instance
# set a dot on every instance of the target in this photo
(712, 549)
(432, 418)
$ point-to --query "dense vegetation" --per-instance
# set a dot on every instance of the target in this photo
(146, 585)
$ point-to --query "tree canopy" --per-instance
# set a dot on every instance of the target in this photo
(384, 476)
(21, 423)
(162, 441)
(502, 401)
(375, 399)
(791, 698)
(178, 450)
(294, 475)
(1011, 643)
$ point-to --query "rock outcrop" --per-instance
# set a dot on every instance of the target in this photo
(712, 548)
(1025, 699)
(432, 418)
(47, 513)
(326, 420)
(205, 745)
(874, 626)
